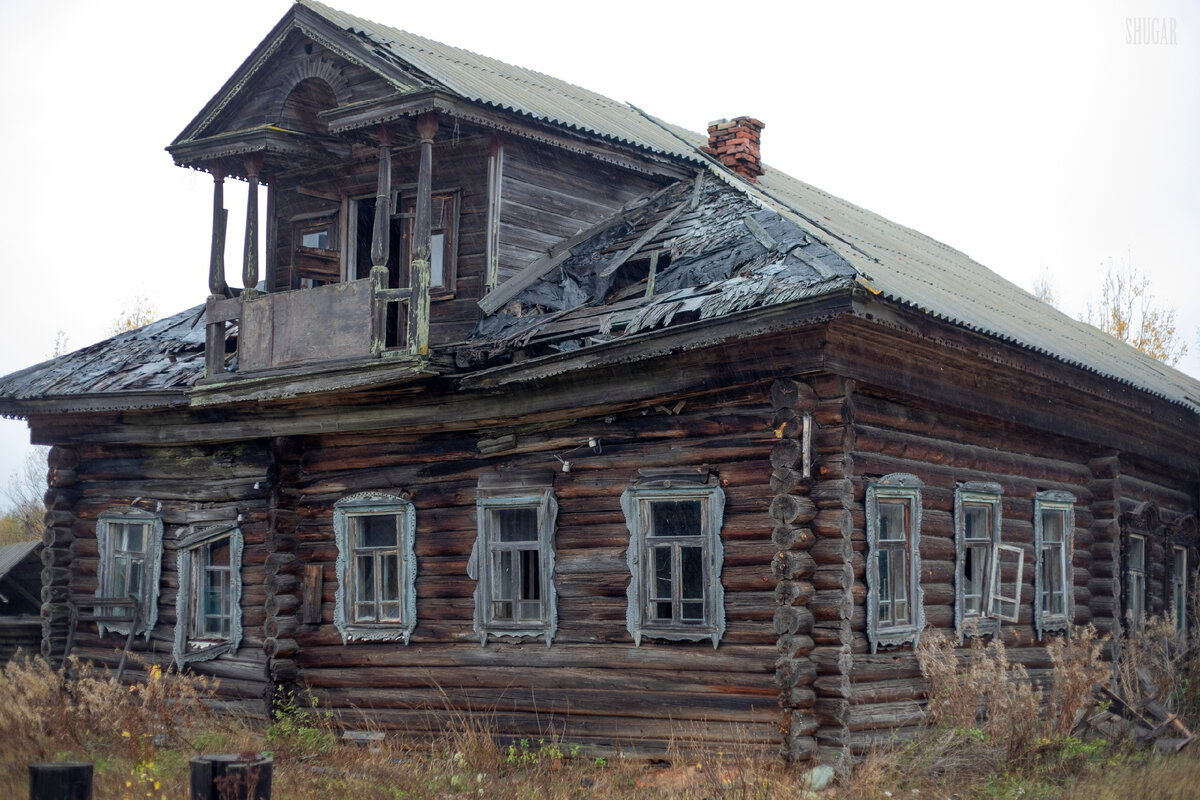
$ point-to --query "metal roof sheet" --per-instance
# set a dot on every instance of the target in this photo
(13, 554)
(489, 81)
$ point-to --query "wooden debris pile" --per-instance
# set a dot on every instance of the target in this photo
(1144, 718)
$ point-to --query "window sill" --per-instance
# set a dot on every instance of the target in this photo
(202, 651)
(896, 637)
(375, 633)
(697, 634)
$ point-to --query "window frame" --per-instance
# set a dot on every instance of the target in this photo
(1135, 582)
(1179, 591)
(480, 567)
(985, 621)
(151, 566)
(1045, 621)
(404, 206)
(369, 504)
(636, 504)
(906, 488)
(188, 605)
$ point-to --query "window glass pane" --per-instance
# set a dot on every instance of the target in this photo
(134, 538)
(316, 239)
(365, 579)
(389, 576)
(662, 610)
(899, 564)
(1052, 525)
(437, 260)
(389, 612)
(885, 586)
(502, 609)
(218, 553)
(502, 584)
(1137, 552)
(975, 569)
(135, 578)
(1052, 579)
(531, 610)
(377, 530)
(977, 522)
(662, 573)
(693, 610)
(120, 576)
(692, 567)
(675, 518)
(516, 524)
(531, 572)
(891, 520)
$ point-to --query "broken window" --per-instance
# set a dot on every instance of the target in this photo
(443, 241)
(675, 557)
(376, 598)
(1135, 583)
(513, 561)
(894, 600)
(1053, 526)
(208, 608)
(979, 602)
(130, 546)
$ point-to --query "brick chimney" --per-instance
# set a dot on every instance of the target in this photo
(735, 143)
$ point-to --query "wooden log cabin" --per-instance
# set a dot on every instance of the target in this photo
(544, 412)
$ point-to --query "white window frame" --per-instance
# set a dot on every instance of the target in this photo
(637, 504)
(345, 511)
(1179, 591)
(897, 488)
(1045, 620)
(151, 560)
(484, 562)
(191, 645)
(1135, 582)
(986, 619)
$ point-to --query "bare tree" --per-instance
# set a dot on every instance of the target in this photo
(25, 517)
(1128, 311)
(1044, 289)
(136, 312)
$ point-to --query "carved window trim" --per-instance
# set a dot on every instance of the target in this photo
(151, 562)
(897, 488)
(369, 504)
(488, 549)
(984, 621)
(637, 505)
(190, 646)
(1045, 620)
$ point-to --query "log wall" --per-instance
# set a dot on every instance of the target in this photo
(187, 486)
(592, 685)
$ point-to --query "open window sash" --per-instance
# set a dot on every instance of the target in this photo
(1000, 605)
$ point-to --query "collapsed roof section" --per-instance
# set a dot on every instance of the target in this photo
(696, 250)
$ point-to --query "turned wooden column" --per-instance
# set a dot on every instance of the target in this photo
(419, 272)
(380, 238)
(254, 163)
(216, 260)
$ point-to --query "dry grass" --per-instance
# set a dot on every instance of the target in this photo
(984, 738)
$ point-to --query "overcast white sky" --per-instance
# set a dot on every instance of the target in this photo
(1030, 136)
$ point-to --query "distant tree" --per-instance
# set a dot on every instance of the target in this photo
(1044, 290)
(1128, 311)
(25, 517)
(136, 312)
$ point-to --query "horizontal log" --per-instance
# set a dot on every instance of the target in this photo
(790, 620)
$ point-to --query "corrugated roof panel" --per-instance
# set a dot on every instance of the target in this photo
(13, 554)
(487, 80)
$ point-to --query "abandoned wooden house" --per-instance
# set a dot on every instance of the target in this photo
(547, 412)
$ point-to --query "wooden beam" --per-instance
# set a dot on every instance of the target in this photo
(644, 239)
(380, 244)
(495, 300)
(419, 269)
(253, 163)
(216, 259)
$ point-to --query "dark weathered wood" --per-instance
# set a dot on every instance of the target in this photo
(60, 780)
(231, 776)
(419, 269)
(216, 262)
(311, 608)
(253, 165)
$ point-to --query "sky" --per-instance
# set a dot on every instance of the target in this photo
(1039, 138)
